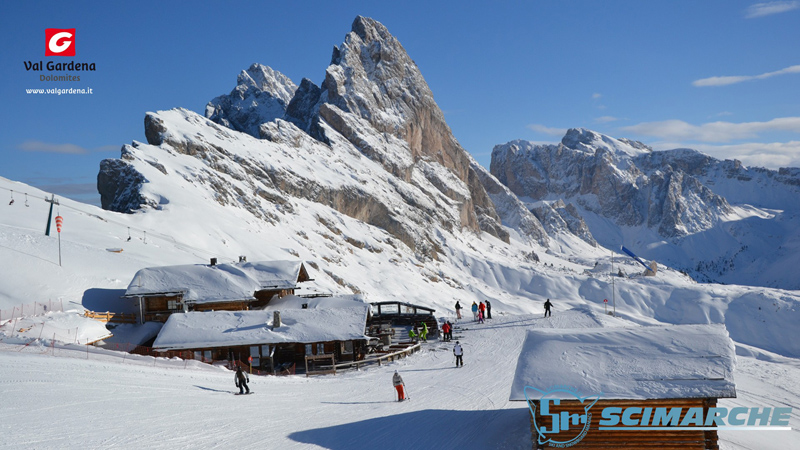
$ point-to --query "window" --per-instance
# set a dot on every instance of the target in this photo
(255, 354)
(173, 305)
(347, 347)
(320, 348)
(308, 350)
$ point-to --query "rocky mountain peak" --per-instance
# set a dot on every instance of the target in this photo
(261, 94)
(268, 80)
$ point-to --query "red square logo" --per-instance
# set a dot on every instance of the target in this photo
(59, 42)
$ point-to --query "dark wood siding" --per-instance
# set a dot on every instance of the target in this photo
(625, 439)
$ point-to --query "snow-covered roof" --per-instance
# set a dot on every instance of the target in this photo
(201, 283)
(659, 362)
(232, 328)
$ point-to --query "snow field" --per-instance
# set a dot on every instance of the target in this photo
(61, 402)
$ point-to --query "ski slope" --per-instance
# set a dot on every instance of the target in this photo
(63, 402)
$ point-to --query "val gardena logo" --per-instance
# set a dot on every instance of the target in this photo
(59, 42)
(558, 426)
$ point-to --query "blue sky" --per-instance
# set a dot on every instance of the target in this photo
(722, 77)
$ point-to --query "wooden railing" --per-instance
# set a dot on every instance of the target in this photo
(379, 359)
(111, 317)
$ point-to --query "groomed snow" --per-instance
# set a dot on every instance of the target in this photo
(654, 362)
(104, 399)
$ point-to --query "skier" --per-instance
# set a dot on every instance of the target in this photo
(480, 316)
(474, 311)
(412, 334)
(458, 310)
(482, 308)
(424, 333)
(547, 306)
(449, 331)
(459, 352)
(241, 379)
(397, 380)
(445, 330)
(488, 310)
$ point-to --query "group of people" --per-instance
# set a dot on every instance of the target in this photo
(479, 311)
(420, 332)
(447, 331)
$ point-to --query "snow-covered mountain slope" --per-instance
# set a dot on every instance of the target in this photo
(716, 220)
(199, 189)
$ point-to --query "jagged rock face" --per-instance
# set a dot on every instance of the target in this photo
(261, 95)
(301, 108)
(559, 217)
(371, 76)
(617, 179)
(374, 96)
(119, 184)
(511, 210)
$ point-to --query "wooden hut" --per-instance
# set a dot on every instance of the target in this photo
(654, 376)
(331, 329)
(162, 291)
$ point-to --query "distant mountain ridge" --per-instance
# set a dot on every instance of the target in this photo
(676, 206)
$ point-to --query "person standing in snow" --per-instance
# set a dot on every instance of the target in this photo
(480, 316)
(459, 352)
(488, 310)
(458, 310)
(241, 379)
(397, 380)
(424, 333)
(547, 306)
(412, 334)
(445, 331)
(482, 309)
(449, 331)
(474, 311)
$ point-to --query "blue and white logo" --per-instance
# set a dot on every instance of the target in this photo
(563, 424)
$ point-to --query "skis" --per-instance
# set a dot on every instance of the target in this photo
(246, 393)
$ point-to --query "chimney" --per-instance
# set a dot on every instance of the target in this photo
(242, 259)
(213, 261)
(276, 319)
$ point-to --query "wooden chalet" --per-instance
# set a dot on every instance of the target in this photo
(162, 291)
(669, 367)
(278, 339)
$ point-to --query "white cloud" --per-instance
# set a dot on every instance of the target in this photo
(769, 8)
(67, 149)
(679, 130)
(547, 130)
(596, 96)
(726, 80)
(606, 119)
(39, 146)
(722, 114)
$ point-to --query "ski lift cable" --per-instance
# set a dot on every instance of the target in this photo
(165, 237)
